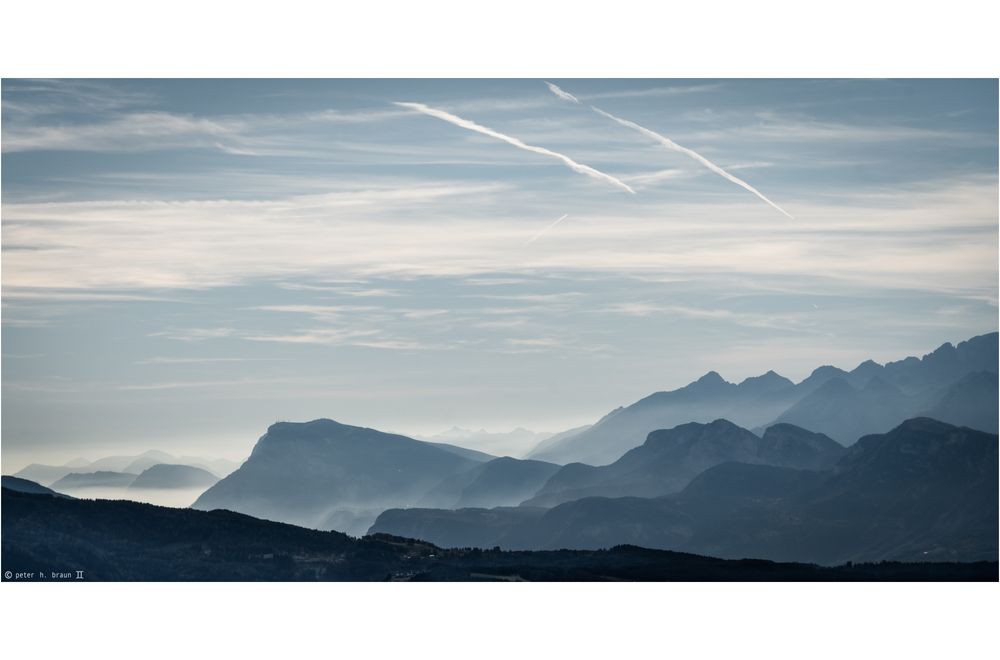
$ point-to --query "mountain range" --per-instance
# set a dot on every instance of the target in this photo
(133, 464)
(671, 458)
(924, 491)
(872, 398)
(885, 462)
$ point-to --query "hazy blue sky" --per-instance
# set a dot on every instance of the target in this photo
(185, 262)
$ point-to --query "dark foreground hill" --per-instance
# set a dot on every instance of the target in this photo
(27, 486)
(121, 540)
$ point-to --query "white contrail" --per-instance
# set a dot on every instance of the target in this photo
(473, 126)
(562, 93)
(670, 144)
(546, 230)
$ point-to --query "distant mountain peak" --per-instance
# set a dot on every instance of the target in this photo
(322, 422)
(867, 366)
(944, 349)
(711, 377)
(827, 370)
(722, 423)
(710, 382)
(768, 382)
(923, 424)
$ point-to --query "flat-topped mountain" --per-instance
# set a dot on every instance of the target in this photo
(328, 475)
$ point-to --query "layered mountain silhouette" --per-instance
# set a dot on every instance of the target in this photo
(884, 462)
(501, 482)
(163, 475)
(49, 474)
(972, 401)
(925, 491)
(845, 412)
(100, 479)
(751, 403)
(670, 459)
(871, 398)
(328, 475)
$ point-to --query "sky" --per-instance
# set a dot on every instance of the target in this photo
(188, 261)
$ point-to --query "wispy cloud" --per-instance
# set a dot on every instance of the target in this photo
(670, 144)
(194, 334)
(195, 384)
(62, 295)
(202, 360)
(652, 91)
(472, 126)
(246, 135)
(148, 248)
(41, 97)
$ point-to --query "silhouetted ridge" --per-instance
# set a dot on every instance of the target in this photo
(761, 401)
(923, 491)
(669, 458)
(27, 486)
(768, 382)
(119, 540)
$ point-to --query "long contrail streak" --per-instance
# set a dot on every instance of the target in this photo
(546, 230)
(473, 126)
(670, 144)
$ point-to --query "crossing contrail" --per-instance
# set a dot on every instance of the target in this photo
(473, 126)
(546, 230)
(670, 144)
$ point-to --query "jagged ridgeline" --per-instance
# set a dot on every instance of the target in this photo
(956, 384)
